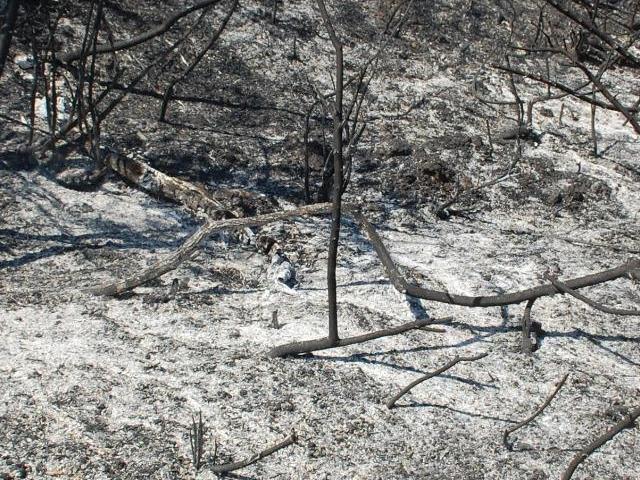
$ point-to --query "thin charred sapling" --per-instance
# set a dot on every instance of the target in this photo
(584, 36)
(337, 176)
(347, 131)
(214, 38)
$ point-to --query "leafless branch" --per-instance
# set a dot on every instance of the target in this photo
(525, 345)
(588, 24)
(308, 346)
(629, 269)
(627, 422)
(563, 287)
(187, 249)
(214, 38)
(573, 91)
(141, 38)
(435, 373)
(230, 467)
(539, 410)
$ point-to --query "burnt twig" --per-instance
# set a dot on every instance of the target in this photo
(230, 467)
(539, 410)
(564, 288)
(526, 346)
(627, 422)
(196, 440)
(435, 373)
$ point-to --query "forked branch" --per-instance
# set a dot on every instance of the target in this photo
(308, 346)
(141, 38)
(188, 248)
(598, 306)
(630, 269)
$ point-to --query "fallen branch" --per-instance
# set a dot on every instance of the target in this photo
(230, 467)
(598, 306)
(509, 431)
(627, 422)
(630, 269)
(435, 373)
(308, 346)
(153, 181)
(138, 39)
(171, 261)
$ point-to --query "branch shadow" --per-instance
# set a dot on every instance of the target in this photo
(108, 235)
(362, 358)
(455, 410)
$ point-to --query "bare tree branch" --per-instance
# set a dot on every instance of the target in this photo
(627, 422)
(588, 24)
(585, 97)
(391, 403)
(143, 37)
(539, 410)
(561, 286)
(308, 346)
(196, 60)
(630, 269)
(187, 249)
(230, 467)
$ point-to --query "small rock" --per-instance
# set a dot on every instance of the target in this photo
(25, 62)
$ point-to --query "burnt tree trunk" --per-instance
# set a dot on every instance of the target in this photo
(337, 178)
(6, 30)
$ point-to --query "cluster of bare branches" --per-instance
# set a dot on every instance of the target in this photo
(598, 40)
(87, 82)
(590, 38)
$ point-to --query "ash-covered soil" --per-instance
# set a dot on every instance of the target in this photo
(94, 387)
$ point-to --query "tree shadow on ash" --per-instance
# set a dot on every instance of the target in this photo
(598, 340)
(489, 331)
(455, 410)
(107, 235)
(576, 334)
(362, 358)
